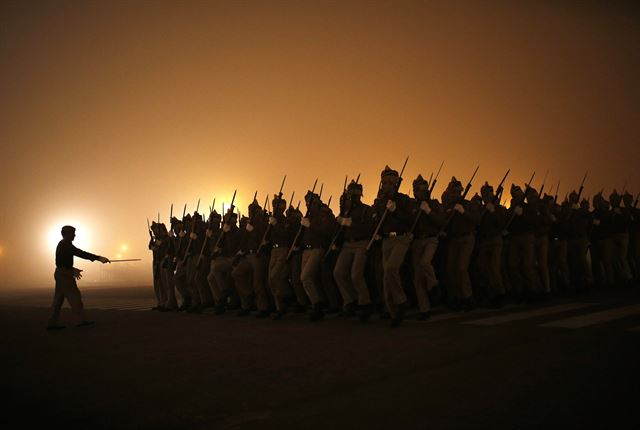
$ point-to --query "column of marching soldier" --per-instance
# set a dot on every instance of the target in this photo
(401, 251)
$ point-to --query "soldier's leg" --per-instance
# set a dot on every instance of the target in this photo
(542, 258)
(514, 261)
(278, 277)
(358, 279)
(607, 262)
(180, 280)
(419, 278)
(216, 290)
(394, 250)
(465, 249)
(222, 273)
(67, 287)
(311, 260)
(202, 282)
(296, 283)
(342, 274)
(621, 252)
(528, 262)
(329, 288)
(242, 277)
(258, 282)
(453, 290)
(196, 300)
(168, 285)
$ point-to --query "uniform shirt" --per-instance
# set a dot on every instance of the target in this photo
(398, 221)
(428, 225)
(361, 223)
(491, 224)
(283, 232)
(620, 221)
(579, 223)
(602, 230)
(466, 223)
(65, 251)
(322, 226)
(525, 223)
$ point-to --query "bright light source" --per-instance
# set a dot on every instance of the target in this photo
(119, 255)
(83, 235)
(1, 251)
(124, 247)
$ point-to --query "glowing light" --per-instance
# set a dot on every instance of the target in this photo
(119, 255)
(124, 247)
(1, 251)
(53, 236)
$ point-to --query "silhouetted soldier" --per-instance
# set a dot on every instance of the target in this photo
(163, 241)
(430, 220)
(579, 226)
(318, 227)
(634, 234)
(222, 259)
(66, 276)
(461, 239)
(348, 272)
(293, 218)
(521, 244)
(396, 240)
(489, 238)
(179, 248)
(212, 233)
(601, 244)
(157, 279)
(620, 238)
(542, 226)
(558, 234)
(281, 237)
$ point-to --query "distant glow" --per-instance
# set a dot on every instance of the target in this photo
(53, 235)
(124, 247)
(119, 255)
(1, 251)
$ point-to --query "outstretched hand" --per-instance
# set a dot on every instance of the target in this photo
(104, 260)
(77, 273)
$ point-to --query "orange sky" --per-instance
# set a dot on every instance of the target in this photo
(112, 110)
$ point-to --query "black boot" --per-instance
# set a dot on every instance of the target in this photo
(316, 314)
(365, 313)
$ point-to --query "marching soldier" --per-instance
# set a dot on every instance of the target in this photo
(579, 225)
(428, 218)
(317, 228)
(489, 237)
(634, 233)
(163, 242)
(620, 237)
(281, 236)
(180, 275)
(464, 217)
(541, 230)
(227, 247)
(356, 222)
(601, 244)
(396, 240)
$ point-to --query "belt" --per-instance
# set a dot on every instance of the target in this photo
(425, 236)
(393, 234)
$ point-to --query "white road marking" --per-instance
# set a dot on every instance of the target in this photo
(500, 319)
(595, 317)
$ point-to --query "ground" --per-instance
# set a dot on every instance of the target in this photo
(483, 369)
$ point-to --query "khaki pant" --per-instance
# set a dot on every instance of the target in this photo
(192, 285)
(349, 273)
(424, 276)
(158, 288)
(202, 281)
(581, 275)
(243, 281)
(602, 262)
(458, 260)
(490, 265)
(296, 268)
(180, 280)
(394, 249)
(310, 274)
(621, 256)
(634, 251)
(541, 250)
(221, 268)
(66, 288)
(278, 272)
(168, 286)
(521, 262)
(558, 264)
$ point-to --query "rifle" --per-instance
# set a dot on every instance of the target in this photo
(193, 228)
(297, 236)
(268, 229)
(321, 188)
(386, 211)
(206, 238)
(219, 241)
(635, 205)
(336, 236)
(513, 215)
(555, 198)
(329, 201)
(150, 231)
(582, 185)
(543, 182)
(500, 189)
(432, 185)
(462, 197)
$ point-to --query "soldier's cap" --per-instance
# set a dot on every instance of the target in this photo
(311, 195)
(388, 171)
(573, 195)
(547, 197)
(277, 201)
(254, 206)
(214, 215)
(584, 202)
(420, 183)
(627, 195)
(353, 186)
(516, 190)
(486, 189)
(614, 195)
(454, 184)
(598, 199)
(174, 220)
(244, 219)
(293, 212)
(67, 229)
(186, 218)
(197, 216)
(476, 198)
(531, 191)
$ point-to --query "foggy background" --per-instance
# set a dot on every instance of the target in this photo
(111, 111)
